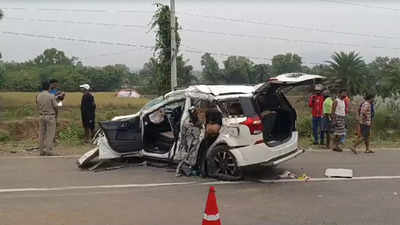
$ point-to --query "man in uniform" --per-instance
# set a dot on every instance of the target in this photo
(47, 107)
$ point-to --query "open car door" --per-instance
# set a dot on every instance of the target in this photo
(277, 116)
(124, 136)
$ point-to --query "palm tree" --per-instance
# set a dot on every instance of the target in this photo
(349, 71)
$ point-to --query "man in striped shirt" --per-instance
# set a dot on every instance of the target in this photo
(365, 124)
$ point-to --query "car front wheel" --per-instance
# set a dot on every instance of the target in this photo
(222, 164)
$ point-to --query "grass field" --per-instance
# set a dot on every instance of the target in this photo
(103, 100)
(19, 124)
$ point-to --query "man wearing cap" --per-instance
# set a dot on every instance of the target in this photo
(88, 109)
(47, 107)
(316, 102)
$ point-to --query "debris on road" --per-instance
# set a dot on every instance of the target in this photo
(304, 177)
(339, 173)
(287, 175)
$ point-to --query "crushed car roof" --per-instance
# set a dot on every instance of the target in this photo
(218, 90)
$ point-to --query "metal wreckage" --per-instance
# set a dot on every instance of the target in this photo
(208, 130)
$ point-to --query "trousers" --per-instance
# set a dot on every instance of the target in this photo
(316, 127)
(47, 132)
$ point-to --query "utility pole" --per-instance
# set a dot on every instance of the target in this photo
(173, 47)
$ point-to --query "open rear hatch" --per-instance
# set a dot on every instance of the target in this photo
(277, 115)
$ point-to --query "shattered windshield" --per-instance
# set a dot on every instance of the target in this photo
(153, 103)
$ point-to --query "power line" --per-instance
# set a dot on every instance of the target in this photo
(134, 45)
(312, 29)
(88, 41)
(361, 5)
(80, 10)
(227, 19)
(237, 35)
(77, 22)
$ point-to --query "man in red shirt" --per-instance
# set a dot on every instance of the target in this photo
(316, 102)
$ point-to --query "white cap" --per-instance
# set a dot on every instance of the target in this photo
(318, 87)
(85, 86)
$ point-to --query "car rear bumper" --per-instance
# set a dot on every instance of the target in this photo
(263, 154)
(282, 159)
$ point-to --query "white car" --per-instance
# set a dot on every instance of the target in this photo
(214, 130)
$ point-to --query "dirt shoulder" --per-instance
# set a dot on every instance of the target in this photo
(30, 149)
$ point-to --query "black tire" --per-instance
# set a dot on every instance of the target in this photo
(222, 164)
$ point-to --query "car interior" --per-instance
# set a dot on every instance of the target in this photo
(277, 116)
(161, 127)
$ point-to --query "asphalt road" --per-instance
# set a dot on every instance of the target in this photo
(40, 191)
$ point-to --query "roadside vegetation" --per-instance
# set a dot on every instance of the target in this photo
(20, 82)
(19, 120)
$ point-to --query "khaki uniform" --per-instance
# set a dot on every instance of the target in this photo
(47, 107)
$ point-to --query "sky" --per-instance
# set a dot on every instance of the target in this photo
(102, 32)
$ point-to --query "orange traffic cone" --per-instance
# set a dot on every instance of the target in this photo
(211, 214)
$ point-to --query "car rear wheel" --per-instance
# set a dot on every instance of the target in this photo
(222, 164)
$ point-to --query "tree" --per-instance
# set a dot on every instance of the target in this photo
(349, 69)
(287, 63)
(237, 70)
(53, 57)
(260, 73)
(184, 72)
(385, 73)
(1, 17)
(211, 72)
(161, 23)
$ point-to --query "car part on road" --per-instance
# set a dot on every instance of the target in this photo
(221, 164)
(84, 160)
(345, 173)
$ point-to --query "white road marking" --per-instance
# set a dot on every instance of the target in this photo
(333, 179)
(119, 186)
(69, 188)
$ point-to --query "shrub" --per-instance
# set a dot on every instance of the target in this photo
(72, 134)
(304, 126)
(4, 135)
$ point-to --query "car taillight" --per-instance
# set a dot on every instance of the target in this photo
(254, 124)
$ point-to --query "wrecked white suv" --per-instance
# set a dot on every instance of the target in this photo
(212, 130)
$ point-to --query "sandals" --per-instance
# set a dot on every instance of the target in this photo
(369, 151)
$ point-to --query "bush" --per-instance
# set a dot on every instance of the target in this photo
(4, 135)
(304, 126)
(72, 134)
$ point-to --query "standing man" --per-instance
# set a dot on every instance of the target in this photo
(88, 109)
(47, 107)
(316, 102)
(339, 119)
(327, 118)
(365, 123)
(54, 91)
(347, 102)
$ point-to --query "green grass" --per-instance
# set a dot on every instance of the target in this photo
(18, 118)
(18, 115)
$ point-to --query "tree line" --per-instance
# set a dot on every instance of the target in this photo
(344, 70)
